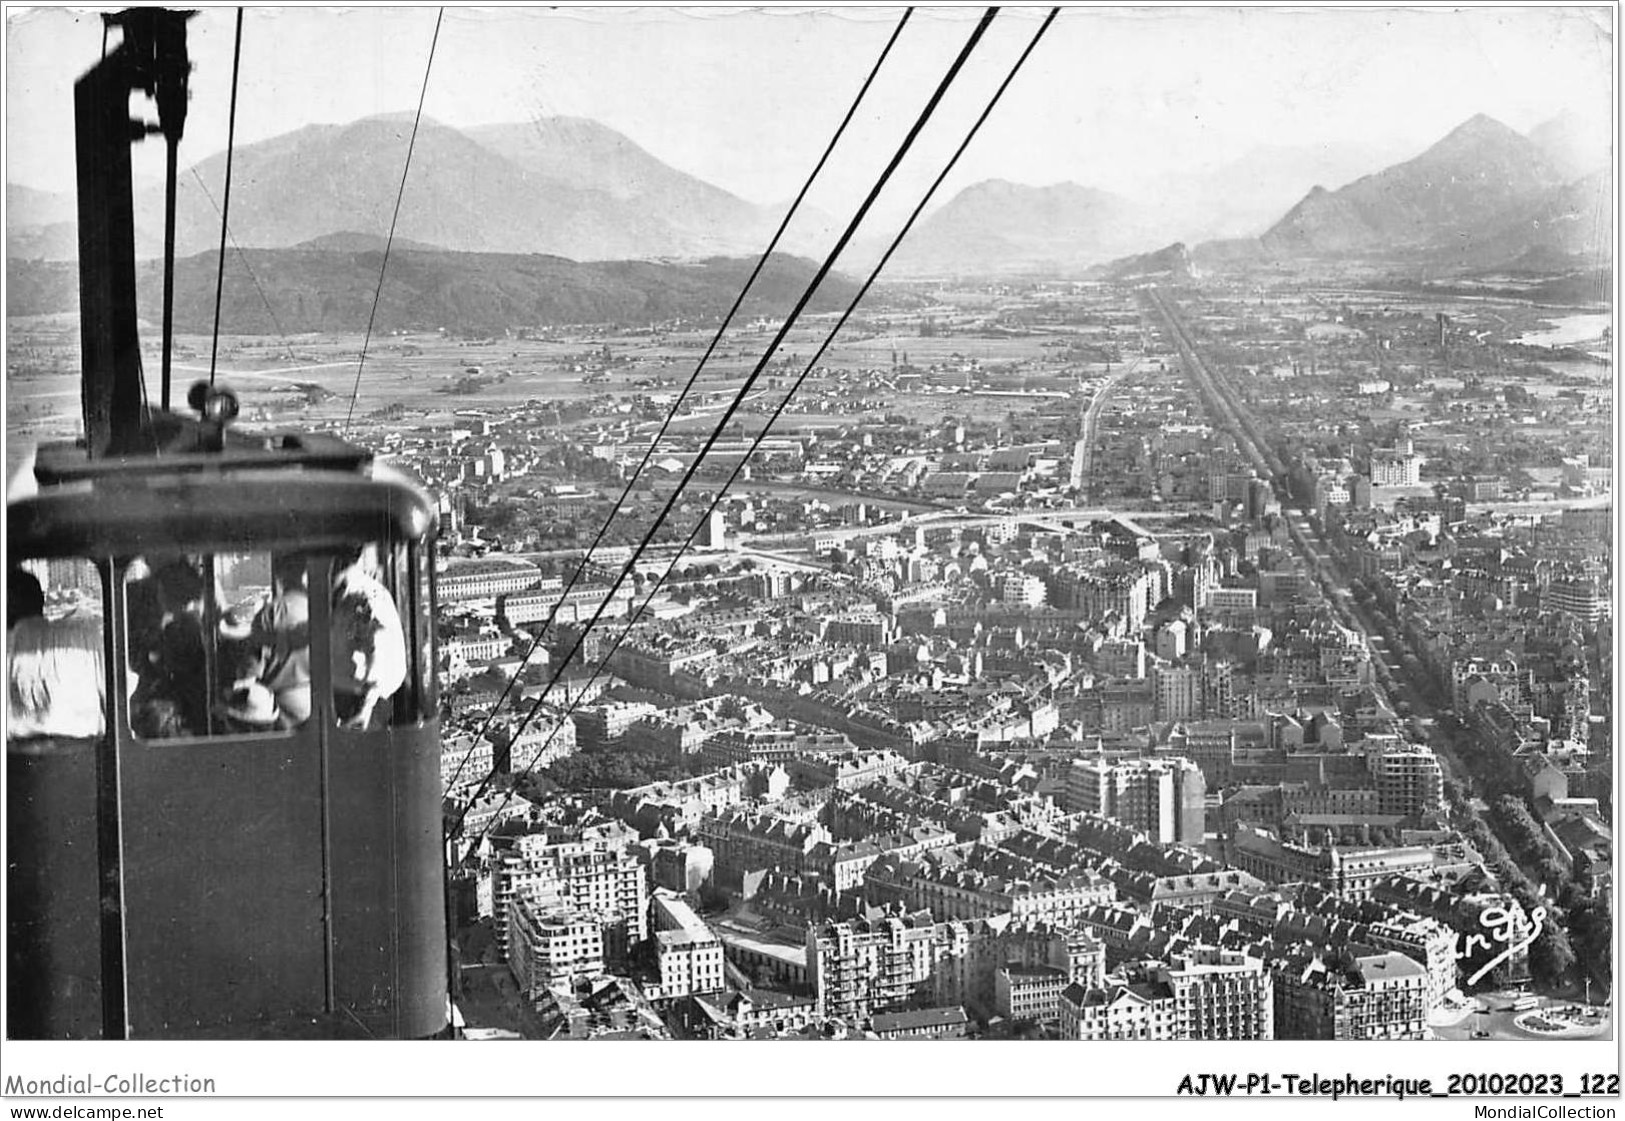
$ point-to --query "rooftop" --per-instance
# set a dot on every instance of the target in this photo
(919, 1018)
(1389, 966)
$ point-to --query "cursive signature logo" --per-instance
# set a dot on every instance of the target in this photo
(1501, 924)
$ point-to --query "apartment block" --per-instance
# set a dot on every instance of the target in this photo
(610, 884)
(1140, 1011)
(1219, 994)
(1408, 778)
(603, 725)
(922, 1023)
(688, 952)
(549, 944)
(1176, 692)
(580, 604)
(1029, 992)
(1379, 996)
(463, 580)
(858, 968)
(1165, 798)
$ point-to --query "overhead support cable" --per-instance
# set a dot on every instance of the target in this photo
(750, 382)
(383, 265)
(677, 405)
(171, 121)
(249, 269)
(225, 212)
(762, 435)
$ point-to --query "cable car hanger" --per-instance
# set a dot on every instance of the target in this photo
(293, 885)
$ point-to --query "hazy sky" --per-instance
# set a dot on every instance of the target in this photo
(746, 98)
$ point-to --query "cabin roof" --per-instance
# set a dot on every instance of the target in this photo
(121, 516)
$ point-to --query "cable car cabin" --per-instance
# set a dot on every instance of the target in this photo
(223, 811)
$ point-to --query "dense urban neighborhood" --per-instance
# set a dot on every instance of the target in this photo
(1080, 660)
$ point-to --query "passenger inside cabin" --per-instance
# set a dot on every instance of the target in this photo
(281, 632)
(245, 703)
(167, 649)
(369, 642)
(25, 599)
(56, 672)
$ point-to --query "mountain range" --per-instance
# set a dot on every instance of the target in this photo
(562, 186)
(327, 285)
(576, 188)
(1482, 197)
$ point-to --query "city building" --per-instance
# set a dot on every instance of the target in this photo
(1023, 590)
(552, 603)
(540, 742)
(676, 865)
(603, 725)
(550, 945)
(1398, 466)
(689, 954)
(922, 1023)
(1577, 596)
(1166, 797)
(1219, 994)
(462, 580)
(611, 885)
(1338, 996)
(1407, 776)
(1029, 992)
(742, 841)
(1119, 1011)
(858, 968)
(1176, 692)
(465, 762)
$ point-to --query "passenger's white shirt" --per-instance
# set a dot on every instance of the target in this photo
(56, 678)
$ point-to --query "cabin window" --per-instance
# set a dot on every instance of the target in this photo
(424, 637)
(374, 684)
(217, 644)
(56, 668)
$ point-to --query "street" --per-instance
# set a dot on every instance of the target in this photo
(1489, 1016)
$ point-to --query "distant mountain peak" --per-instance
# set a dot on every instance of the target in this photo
(1481, 128)
(995, 225)
(1172, 263)
(1482, 121)
(1482, 193)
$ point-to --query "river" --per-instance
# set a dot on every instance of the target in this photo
(1568, 330)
